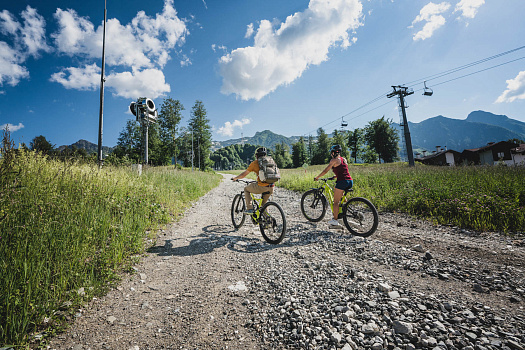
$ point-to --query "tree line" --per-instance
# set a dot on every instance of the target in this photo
(377, 142)
(191, 145)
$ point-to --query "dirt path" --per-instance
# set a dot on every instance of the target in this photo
(207, 286)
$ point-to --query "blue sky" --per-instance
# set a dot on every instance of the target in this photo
(288, 66)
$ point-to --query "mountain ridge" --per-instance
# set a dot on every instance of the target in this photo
(478, 129)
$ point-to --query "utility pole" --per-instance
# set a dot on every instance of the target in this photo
(102, 79)
(401, 92)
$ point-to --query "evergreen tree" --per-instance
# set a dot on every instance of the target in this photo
(40, 144)
(369, 155)
(281, 155)
(169, 119)
(383, 138)
(321, 151)
(199, 123)
(129, 143)
(310, 149)
(299, 156)
(355, 143)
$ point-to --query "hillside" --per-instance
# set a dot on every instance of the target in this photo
(88, 146)
(478, 129)
(264, 138)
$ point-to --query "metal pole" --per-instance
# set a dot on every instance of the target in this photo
(146, 149)
(408, 140)
(192, 148)
(100, 118)
(401, 92)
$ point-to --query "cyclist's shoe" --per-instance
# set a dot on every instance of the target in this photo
(334, 223)
(249, 212)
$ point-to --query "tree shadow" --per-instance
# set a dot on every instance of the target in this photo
(245, 241)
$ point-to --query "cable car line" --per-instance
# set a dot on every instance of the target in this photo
(468, 65)
(426, 79)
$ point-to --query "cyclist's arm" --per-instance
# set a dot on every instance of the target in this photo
(327, 169)
(241, 175)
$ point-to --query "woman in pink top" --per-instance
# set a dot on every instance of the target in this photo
(339, 166)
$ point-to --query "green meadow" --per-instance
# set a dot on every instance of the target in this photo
(488, 198)
(68, 229)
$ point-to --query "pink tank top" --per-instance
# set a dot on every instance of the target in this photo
(341, 171)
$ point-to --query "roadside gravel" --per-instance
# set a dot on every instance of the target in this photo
(412, 285)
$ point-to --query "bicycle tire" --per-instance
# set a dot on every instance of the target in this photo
(360, 217)
(237, 211)
(310, 208)
(272, 223)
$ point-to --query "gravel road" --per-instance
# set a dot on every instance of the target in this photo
(412, 285)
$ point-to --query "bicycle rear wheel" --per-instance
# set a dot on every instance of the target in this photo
(360, 217)
(272, 223)
(313, 205)
(238, 207)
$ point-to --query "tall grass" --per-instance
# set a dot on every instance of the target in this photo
(67, 229)
(490, 198)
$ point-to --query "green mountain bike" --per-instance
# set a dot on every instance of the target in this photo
(270, 217)
(359, 214)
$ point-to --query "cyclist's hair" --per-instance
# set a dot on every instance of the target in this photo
(335, 148)
(261, 151)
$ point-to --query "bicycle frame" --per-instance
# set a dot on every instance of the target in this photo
(257, 212)
(328, 192)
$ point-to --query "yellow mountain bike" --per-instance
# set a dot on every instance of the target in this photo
(270, 217)
(359, 214)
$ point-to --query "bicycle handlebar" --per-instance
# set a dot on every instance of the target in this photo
(245, 181)
(327, 179)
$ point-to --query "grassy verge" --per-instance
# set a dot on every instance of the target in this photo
(488, 198)
(66, 230)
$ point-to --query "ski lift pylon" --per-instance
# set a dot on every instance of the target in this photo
(428, 91)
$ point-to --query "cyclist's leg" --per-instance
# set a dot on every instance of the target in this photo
(252, 188)
(266, 196)
(338, 194)
(247, 197)
(339, 190)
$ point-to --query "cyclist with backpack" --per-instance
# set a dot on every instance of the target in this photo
(339, 166)
(267, 173)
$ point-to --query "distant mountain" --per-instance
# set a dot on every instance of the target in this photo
(497, 120)
(264, 138)
(476, 131)
(88, 146)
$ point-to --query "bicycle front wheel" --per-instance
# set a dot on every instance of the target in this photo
(313, 205)
(272, 223)
(238, 207)
(360, 217)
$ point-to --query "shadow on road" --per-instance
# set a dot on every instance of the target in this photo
(217, 236)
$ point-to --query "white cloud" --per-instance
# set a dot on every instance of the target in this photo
(148, 82)
(431, 14)
(228, 128)
(85, 78)
(141, 47)
(11, 72)
(281, 53)
(249, 30)
(12, 128)
(469, 8)
(33, 33)
(515, 89)
(28, 39)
